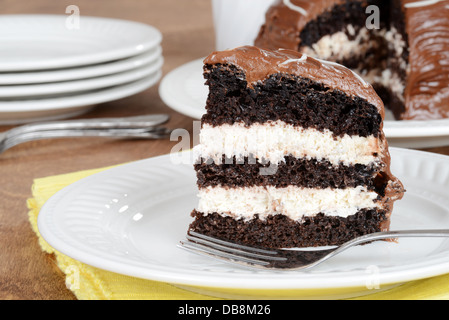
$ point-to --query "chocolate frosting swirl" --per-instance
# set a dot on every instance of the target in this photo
(427, 89)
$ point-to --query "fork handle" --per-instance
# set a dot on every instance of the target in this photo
(432, 233)
(408, 233)
(145, 121)
(429, 233)
(139, 133)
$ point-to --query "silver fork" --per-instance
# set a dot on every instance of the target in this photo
(144, 127)
(285, 259)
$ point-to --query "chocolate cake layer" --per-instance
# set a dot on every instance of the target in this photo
(295, 100)
(279, 231)
(307, 173)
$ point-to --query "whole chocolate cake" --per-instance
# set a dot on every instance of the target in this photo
(292, 152)
(401, 47)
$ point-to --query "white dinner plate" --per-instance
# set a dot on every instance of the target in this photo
(65, 87)
(183, 90)
(83, 72)
(37, 42)
(69, 105)
(130, 219)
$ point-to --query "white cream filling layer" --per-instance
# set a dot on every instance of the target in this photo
(338, 46)
(272, 141)
(294, 202)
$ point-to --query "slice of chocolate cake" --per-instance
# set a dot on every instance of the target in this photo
(291, 153)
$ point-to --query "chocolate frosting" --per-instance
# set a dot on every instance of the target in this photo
(427, 25)
(285, 20)
(258, 64)
(427, 89)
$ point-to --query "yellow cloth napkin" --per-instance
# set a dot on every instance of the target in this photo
(89, 283)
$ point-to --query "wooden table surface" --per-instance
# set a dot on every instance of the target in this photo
(187, 28)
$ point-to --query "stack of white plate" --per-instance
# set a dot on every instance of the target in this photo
(51, 68)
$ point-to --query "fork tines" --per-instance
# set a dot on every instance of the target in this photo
(229, 251)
